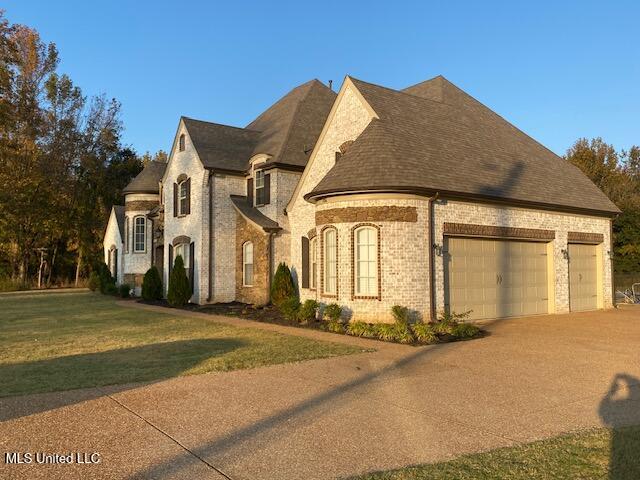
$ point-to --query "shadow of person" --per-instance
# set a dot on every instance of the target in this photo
(619, 409)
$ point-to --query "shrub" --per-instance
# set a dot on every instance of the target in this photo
(361, 329)
(111, 289)
(335, 326)
(106, 280)
(307, 312)
(179, 288)
(424, 332)
(402, 333)
(290, 308)
(282, 286)
(465, 330)
(400, 314)
(94, 281)
(443, 327)
(453, 317)
(386, 331)
(333, 312)
(8, 284)
(152, 285)
(124, 290)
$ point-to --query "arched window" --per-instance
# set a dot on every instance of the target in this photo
(366, 261)
(126, 235)
(330, 261)
(314, 261)
(247, 264)
(139, 234)
(181, 143)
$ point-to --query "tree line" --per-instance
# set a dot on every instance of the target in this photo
(63, 166)
(62, 163)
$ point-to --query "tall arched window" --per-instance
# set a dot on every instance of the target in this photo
(181, 143)
(247, 264)
(139, 234)
(366, 261)
(314, 261)
(330, 241)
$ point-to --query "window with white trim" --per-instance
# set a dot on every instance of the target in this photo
(183, 200)
(139, 234)
(126, 234)
(330, 261)
(259, 187)
(366, 261)
(182, 250)
(314, 261)
(247, 264)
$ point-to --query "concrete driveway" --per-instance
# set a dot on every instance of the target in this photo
(530, 378)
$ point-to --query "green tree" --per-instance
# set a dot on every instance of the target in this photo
(282, 287)
(152, 285)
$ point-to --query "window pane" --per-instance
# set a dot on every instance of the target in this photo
(331, 266)
(366, 261)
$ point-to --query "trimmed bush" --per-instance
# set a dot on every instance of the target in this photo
(94, 281)
(179, 288)
(124, 290)
(424, 332)
(152, 285)
(282, 286)
(290, 308)
(307, 312)
(333, 312)
(465, 330)
(111, 289)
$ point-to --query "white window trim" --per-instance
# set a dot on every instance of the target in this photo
(313, 247)
(245, 262)
(326, 291)
(357, 261)
(181, 197)
(135, 234)
(258, 174)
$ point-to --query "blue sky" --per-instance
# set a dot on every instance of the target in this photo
(557, 70)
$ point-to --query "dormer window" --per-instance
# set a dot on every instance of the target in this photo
(181, 143)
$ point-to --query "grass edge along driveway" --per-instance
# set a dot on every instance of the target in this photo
(600, 453)
(54, 342)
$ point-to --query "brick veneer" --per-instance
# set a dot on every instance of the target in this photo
(367, 214)
(258, 293)
(584, 237)
(497, 231)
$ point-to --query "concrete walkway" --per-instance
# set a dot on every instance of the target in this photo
(531, 378)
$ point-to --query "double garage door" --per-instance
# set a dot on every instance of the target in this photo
(507, 278)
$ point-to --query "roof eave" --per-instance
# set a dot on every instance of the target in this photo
(314, 196)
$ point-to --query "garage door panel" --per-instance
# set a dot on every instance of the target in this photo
(512, 280)
(583, 277)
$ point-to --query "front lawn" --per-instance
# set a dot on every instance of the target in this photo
(61, 341)
(594, 454)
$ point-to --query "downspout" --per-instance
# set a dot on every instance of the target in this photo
(210, 233)
(432, 292)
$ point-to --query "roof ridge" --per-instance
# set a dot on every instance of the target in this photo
(218, 124)
(458, 107)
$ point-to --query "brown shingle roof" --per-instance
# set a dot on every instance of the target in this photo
(433, 137)
(147, 181)
(253, 214)
(290, 127)
(220, 146)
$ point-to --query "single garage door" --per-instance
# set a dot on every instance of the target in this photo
(496, 278)
(583, 278)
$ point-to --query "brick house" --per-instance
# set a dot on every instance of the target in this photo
(421, 197)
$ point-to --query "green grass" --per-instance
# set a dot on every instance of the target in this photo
(594, 454)
(62, 341)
